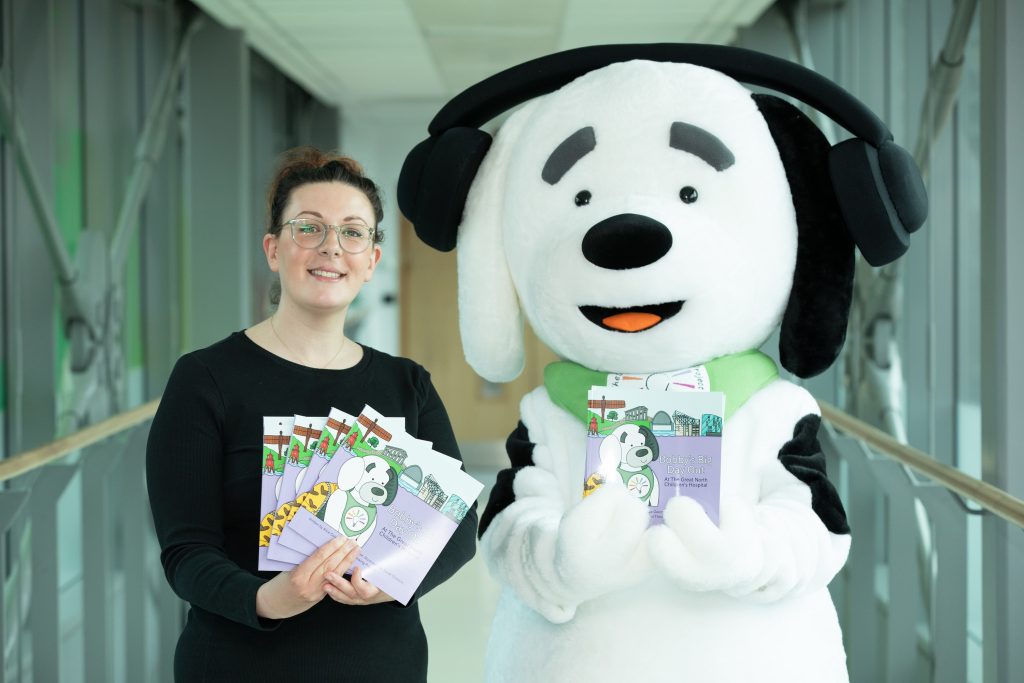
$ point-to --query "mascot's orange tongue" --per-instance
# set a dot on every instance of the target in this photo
(631, 322)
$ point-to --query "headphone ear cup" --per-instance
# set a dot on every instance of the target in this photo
(435, 180)
(905, 184)
(881, 195)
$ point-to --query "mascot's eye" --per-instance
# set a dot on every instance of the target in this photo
(688, 194)
(583, 197)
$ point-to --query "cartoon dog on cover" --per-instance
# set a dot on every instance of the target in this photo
(363, 484)
(648, 214)
(629, 451)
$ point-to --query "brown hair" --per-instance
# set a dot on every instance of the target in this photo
(303, 165)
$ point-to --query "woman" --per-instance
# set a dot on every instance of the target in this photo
(310, 623)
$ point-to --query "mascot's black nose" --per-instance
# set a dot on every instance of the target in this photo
(626, 241)
(377, 491)
(641, 452)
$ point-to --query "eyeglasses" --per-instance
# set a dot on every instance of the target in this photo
(309, 233)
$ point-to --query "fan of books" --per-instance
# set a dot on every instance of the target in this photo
(367, 479)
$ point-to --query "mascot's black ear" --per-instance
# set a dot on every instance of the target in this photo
(814, 324)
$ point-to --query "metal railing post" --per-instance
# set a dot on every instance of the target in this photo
(98, 463)
(135, 516)
(11, 505)
(949, 603)
(44, 607)
(903, 589)
(863, 615)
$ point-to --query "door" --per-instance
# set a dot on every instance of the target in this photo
(480, 411)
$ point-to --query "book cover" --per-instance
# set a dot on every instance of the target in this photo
(397, 498)
(401, 523)
(306, 437)
(659, 444)
(349, 433)
(335, 431)
(277, 433)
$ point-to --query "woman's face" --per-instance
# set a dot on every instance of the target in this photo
(325, 278)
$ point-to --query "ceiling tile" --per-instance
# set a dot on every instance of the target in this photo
(487, 13)
(359, 52)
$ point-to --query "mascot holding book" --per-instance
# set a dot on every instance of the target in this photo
(649, 215)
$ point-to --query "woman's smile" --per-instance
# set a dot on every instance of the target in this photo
(326, 274)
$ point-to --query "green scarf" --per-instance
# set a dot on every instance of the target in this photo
(738, 376)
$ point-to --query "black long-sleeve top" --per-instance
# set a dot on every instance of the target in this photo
(203, 464)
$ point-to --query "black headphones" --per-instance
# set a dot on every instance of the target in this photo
(876, 183)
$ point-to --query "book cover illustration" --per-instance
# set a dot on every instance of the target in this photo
(277, 432)
(349, 434)
(306, 436)
(372, 435)
(339, 423)
(659, 444)
(397, 498)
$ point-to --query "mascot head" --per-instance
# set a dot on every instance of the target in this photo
(646, 212)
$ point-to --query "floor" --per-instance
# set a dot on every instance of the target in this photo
(457, 615)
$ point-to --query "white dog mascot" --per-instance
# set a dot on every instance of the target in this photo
(648, 214)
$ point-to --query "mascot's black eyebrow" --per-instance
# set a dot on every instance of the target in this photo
(571, 150)
(699, 142)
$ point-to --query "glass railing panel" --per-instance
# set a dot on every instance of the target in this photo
(927, 572)
(98, 609)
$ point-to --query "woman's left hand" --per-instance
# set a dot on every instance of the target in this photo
(356, 591)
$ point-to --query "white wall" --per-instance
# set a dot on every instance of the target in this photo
(379, 137)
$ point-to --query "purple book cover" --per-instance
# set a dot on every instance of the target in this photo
(307, 434)
(394, 496)
(277, 433)
(328, 474)
(659, 444)
(292, 539)
(401, 517)
(335, 431)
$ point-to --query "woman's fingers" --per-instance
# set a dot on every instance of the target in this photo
(325, 570)
(364, 589)
(337, 586)
(337, 555)
(313, 566)
(342, 559)
(354, 590)
(340, 589)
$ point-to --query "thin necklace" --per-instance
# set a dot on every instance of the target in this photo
(344, 340)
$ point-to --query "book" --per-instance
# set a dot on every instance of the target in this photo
(659, 444)
(401, 536)
(305, 439)
(391, 493)
(277, 433)
(347, 434)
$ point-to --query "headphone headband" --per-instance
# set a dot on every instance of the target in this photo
(480, 103)
(877, 184)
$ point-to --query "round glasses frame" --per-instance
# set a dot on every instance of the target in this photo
(349, 243)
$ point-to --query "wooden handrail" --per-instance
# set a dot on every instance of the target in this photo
(990, 497)
(55, 450)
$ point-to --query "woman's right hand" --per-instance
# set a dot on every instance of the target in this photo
(295, 591)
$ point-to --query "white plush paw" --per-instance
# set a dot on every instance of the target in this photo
(700, 556)
(535, 481)
(598, 542)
